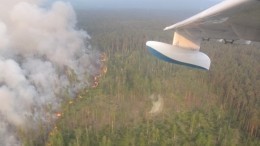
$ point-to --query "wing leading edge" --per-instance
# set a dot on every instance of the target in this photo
(228, 20)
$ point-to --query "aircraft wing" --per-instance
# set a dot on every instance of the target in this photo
(229, 20)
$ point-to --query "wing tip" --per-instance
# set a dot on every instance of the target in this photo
(166, 28)
(170, 27)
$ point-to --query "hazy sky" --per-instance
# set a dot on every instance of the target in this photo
(143, 4)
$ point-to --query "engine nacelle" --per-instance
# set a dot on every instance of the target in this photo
(178, 55)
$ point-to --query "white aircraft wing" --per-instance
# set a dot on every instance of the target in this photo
(229, 20)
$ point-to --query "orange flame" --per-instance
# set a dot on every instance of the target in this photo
(58, 114)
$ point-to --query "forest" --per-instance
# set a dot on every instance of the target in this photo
(194, 107)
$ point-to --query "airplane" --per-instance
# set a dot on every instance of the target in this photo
(230, 20)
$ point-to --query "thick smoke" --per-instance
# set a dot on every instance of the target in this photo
(43, 59)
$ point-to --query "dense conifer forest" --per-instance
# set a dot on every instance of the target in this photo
(141, 101)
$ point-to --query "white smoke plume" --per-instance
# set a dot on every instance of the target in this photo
(43, 58)
(157, 104)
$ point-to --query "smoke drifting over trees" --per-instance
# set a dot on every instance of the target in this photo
(43, 59)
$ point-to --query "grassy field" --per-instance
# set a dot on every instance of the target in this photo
(194, 107)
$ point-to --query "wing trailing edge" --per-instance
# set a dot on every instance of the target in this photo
(219, 8)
